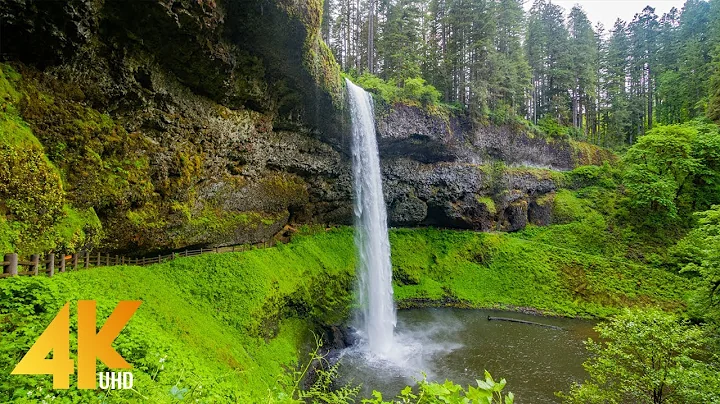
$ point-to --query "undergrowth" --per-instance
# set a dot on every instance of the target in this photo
(231, 327)
(216, 328)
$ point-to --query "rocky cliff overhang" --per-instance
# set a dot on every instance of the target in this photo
(413, 132)
(235, 111)
(262, 55)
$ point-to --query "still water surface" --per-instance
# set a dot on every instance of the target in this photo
(459, 345)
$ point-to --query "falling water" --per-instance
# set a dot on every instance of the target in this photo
(371, 234)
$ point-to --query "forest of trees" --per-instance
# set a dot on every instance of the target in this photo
(606, 85)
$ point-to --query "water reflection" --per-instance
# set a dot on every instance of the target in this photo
(459, 344)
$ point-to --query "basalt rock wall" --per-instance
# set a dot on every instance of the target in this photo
(198, 122)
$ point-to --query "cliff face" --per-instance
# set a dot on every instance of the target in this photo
(201, 122)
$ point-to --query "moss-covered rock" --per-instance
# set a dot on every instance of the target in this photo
(585, 154)
(35, 215)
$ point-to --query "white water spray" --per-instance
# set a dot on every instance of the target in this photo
(371, 233)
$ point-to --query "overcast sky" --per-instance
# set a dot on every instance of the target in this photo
(607, 11)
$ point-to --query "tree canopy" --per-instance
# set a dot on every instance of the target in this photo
(606, 85)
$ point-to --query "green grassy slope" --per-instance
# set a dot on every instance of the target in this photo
(227, 327)
(497, 270)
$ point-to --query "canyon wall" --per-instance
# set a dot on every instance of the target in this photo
(198, 122)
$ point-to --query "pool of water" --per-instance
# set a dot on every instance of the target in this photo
(459, 345)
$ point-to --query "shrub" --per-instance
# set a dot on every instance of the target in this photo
(646, 356)
(552, 128)
(414, 90)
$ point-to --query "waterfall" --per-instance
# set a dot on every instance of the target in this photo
(371, 233)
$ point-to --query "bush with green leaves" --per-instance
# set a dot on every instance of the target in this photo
(552, 128)
(417, 89)
(673, 170)
(412, 91)
(603, 176)
(699, 254)
(648, 356)
(322, 389)
(488, 391)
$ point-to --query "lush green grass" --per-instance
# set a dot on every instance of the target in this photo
(497, 270)
(230, 325)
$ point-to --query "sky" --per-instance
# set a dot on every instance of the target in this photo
(607, 11)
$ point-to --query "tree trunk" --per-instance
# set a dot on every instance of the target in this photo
(371, 37)
(650, 100)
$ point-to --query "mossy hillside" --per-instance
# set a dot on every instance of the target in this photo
(36, 213)
(103, 165)
(497, 169)
(473, 269)
(592, 214)
(226, 327)
(488, 202)
(585, 154)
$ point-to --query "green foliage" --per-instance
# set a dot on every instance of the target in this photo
(568, 208)
(607, 85)
(322, 389)
(587, 154)
(320, 62)
(593, 217)
(497, 177)
(414, 91)
(398, 45)
(713, 108)
(34, 216)
(75, 229)
(386, 90)
(417, 89)
(671, 166)
(647, 356)
(488, 391)
(469, 269)
(552, 128)
(214, 328)
(586, 176)
(489, 204)
(699, 254)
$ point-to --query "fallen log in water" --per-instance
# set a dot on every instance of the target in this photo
(514, 320)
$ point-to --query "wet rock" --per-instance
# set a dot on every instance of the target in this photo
(540, 210)
(340, 337)
(412, 132)
(408, 211)
(515, 216)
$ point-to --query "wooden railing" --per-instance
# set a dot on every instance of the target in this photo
(52, 263)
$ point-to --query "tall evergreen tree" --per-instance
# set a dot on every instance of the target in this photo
(643, 55)
(401, 39)
(668, 106)
(582, 47)
(494, 60)
(713, 110)
(513, 67)
(696, 57)
(550, 61)
(617, 118)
